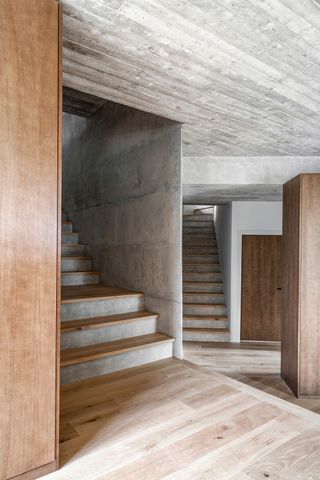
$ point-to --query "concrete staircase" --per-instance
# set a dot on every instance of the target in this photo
(204, 311)
(103, 329)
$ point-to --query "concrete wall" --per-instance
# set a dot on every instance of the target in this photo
(223, 225)
(122, 189)
(233, 221)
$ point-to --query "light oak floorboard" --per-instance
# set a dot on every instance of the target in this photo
(177, 420)
(254, 364)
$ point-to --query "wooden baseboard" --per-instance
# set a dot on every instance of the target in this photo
(37, 472)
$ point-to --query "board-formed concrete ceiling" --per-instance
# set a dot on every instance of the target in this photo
(242, 75)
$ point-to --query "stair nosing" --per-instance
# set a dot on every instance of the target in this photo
(220, 305)
(97, 355)
(207, 330)
(98, 298)
(80, 273)
(136, 316)
(205, 317)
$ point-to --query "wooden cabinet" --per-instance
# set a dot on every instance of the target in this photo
(300, 355)
(29, 236)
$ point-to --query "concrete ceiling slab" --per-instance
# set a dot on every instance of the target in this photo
(220, 194)
(242, 75)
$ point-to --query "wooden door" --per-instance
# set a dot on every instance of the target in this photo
(261, 288)
(29, 236)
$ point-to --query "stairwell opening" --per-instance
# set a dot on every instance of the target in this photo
(121, 238)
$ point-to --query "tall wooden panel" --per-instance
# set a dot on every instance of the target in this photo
(29, 209)
(261, 299)
(300, 356)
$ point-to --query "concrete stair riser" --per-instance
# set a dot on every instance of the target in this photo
(206, 337)
(203, 298)
(201, 258)
(76, 265)
(201, 268)
(70, 238)
(115, 363)
(93, 336)
(66, 228)
(73, 250)
(96, 308)
(202, 277)
(79, 278)
(202, 287)
(206, 323)
(198, 309)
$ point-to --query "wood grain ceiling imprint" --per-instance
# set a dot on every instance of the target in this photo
(242, 75)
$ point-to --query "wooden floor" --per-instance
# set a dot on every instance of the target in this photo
(253, 364)
(175, 420)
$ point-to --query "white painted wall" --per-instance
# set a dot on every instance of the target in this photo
(241, 218)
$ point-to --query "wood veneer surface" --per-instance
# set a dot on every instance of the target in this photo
(28, 234)
(261, 305)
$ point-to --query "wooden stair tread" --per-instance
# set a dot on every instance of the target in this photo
(220, 305)
(80, 293)
(202, 273)
(205, 317)
(73, 245)
(75, 257)
(205, 330)
(200, 254)
(70, 233)
(87, 272)
(66, 222)
(201, 264)
(107, 320)
(92, 352)
(189, 282)
(212, 294)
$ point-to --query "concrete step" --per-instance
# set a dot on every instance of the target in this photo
(69, 250)
(200, 258)
(199, 235)
(206, 321)
(200, 250)
(66, 227)
(206, 335)
(209, 287)
(80, 278)
(76, 264)
(198, 217)
(203, 297)
(87, 301)
(199, 243)
(204, 309)
(204, 230)
(94, 330)
(201, 267)
(99, 359)
(194, 223)
(202, 276)
(70, 238)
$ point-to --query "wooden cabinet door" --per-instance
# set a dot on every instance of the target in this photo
(261, 288)
(29, 236)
